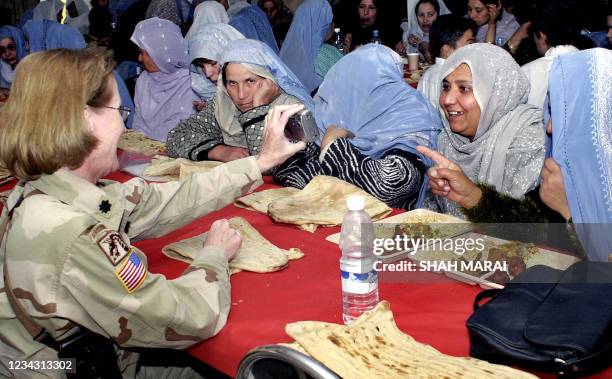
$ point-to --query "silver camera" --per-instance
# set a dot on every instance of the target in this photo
(302, 127)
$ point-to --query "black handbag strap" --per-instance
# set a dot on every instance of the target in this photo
(587, 365)
(486, 294)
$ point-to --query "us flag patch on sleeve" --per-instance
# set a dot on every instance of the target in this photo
(132, 273)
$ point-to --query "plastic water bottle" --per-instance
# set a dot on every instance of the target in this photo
(499, 41)
(359, 279)
(376, 37)
(338, 44)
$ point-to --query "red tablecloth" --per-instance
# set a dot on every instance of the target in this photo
(433, 310)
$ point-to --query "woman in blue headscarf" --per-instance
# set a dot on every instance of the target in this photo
(307, 34)
(46, 35)
(581, 117)
(373, 122)
(253, 23)
(253, 79)
(205, 48)
(12, 50)
(163, 93)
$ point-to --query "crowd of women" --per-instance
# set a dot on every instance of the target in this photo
(482, 138)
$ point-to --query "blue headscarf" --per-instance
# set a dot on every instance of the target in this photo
(581, 112)
(365, 93)
(304, 39)
(6, 71)
(260, 57)
(9, 31)
(259, 54)
(46, 35)
(253, 23)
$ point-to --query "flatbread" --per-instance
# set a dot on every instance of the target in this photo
(256, 253)
(259, 201)
(176, 168)
(137, 142)
(374, 347)
(323, 202)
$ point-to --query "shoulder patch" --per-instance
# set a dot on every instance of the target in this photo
(113, 246)
(132, 273)
(134, 198)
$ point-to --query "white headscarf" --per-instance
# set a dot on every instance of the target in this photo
(209, 42)
(208, 12)
(508, 148)
(48, 10)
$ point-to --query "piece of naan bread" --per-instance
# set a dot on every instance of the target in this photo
(323, 202)
(256, 253)
(259, 201)
(137, 142)
(176, 168)
(374, 347)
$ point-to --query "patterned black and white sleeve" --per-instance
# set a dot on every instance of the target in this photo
(298, 170)
(195, 136)
(395, 178)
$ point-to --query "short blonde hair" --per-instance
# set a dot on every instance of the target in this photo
(42, 126)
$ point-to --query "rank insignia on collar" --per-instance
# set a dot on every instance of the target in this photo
(114, 247)
(105, 206)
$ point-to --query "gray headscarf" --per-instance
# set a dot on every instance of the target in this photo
(509, 146)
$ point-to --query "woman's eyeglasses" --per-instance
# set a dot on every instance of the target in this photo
(123, 111)
(10, 46)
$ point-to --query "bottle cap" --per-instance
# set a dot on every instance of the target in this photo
(355, 203)
(336, 30)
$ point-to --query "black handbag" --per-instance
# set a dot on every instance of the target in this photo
(548, 320)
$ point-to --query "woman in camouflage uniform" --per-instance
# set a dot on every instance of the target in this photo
(66, 250)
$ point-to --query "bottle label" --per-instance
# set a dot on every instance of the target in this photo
(357, 283)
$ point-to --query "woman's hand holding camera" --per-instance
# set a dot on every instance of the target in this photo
(276, 147)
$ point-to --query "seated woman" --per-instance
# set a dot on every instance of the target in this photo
(163, 94)
(373, 122)
(46, 35)
(252, 22)
(370, 15)
(206, 13)
(575, 181)
(278, 18)
(492, 134)
(66, 235)
(12, 50)
(230, 127)
(493, 21)
(309, 30)
(205, 49)
(77, 13)
(426, 13)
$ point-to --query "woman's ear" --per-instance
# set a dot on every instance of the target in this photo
(87, 115)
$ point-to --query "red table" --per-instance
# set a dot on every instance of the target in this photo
(433, 310)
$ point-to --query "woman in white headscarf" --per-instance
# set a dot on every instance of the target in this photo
(206, 13)
(492, 134)
(77, 13)
(205, 48)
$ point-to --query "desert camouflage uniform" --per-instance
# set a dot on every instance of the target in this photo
(68, 239)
